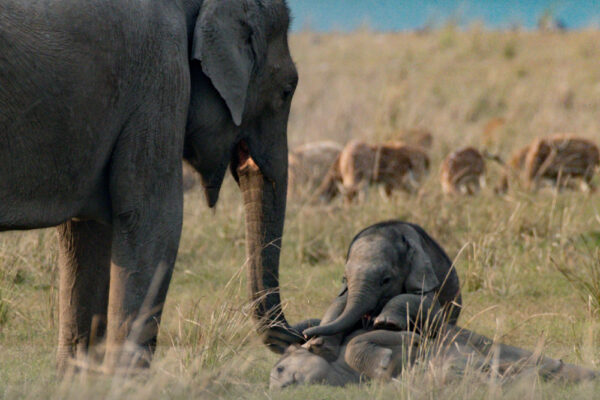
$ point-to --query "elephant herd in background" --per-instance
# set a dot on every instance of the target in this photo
(326, 169)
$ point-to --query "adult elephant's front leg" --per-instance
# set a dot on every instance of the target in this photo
(144, 248)
(84, 265)
(147, 212)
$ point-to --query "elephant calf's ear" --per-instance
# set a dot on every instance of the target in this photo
(421, 277)
(222, 44)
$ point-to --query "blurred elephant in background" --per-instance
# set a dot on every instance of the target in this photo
(99, 101)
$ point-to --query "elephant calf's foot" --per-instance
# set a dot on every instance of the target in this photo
(568, 372)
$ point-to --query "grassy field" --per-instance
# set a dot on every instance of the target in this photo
(508, 250)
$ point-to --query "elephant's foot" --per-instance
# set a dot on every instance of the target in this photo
(278, 338)
(127, 359)
(65, 361)
(76, 359)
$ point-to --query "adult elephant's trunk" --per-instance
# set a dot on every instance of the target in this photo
(361, 300)
(264, 203)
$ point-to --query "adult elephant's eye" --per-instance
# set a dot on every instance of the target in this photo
(386, 280)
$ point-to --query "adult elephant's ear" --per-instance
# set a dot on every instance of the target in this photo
(229, 44)
(421, 276)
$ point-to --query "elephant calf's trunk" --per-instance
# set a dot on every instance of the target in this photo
(355, 309)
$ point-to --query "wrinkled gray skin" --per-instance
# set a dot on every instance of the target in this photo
(394, 266)
(382, 354)
(299, 365)
(99, 100)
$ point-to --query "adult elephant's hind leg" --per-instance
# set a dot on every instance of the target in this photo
(84, 265)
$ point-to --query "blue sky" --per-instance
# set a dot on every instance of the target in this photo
(386, 15)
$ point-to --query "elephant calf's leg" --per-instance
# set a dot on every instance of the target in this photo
(510, 360)
(381, 354)
(84, 262)
(410, 311)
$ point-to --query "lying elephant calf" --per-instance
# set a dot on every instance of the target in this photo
(400, 284)
(381, 355)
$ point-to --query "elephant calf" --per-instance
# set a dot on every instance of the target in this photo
(382, 354)
(397, 277)
(399, 306)
(463, 171)
(395, 165)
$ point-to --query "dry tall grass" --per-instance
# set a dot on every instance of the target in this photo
(367, 86)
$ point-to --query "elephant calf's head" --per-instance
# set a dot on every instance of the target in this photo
(299, 366)
(384, 260)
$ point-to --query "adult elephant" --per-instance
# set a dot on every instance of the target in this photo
(99, 100)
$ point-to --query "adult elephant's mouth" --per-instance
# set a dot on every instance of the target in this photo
(242, 161)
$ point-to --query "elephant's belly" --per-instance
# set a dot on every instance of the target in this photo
(32, 215)
(50, 176)
(57, 132)
(43, 201)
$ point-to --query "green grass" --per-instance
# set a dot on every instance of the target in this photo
(511, 252)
